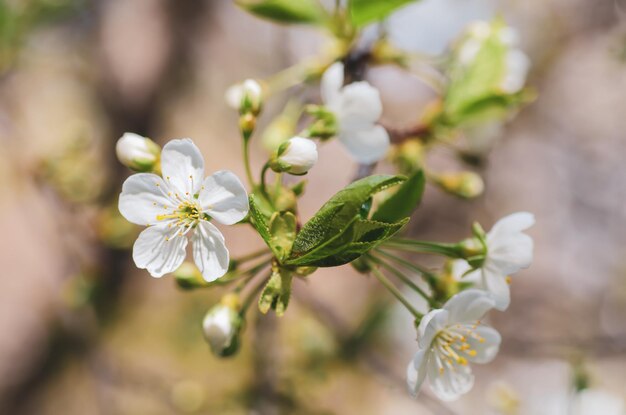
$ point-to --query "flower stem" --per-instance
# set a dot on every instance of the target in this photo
(430, 278)
(403, 278)
(449, 250)
(249, 274)
(253, 292)
(251, 256)
(246, 161)
(396, 293)
(263, 182)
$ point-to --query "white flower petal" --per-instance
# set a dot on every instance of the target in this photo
(209, 251)
(300, 155)
(451, 384)
(224, 198)
(159, 250)
(182, 166)
(469, 50)
(144, 197)
(366, 146)
(514, 223)
(511, 252)
(218, 327)
(487, 349)
(416, 371)
(331, 84)
(469, 305)
(495, 283)
(430, 325)
(517, 66)
(358, 106)
(459, 269)
(233, 96)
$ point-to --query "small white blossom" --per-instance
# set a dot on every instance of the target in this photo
(297, 155)
(136, 152)
(450, 338)
(357, 107)
(508, 251)
(221, 325)
(250, 90)
(182, 202)
(516, 63)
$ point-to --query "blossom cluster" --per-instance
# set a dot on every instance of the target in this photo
(359, 225)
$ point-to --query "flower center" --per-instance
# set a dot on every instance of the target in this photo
(188, 214)
(452, 346)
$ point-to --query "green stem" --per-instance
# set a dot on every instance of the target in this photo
(278, 184)
(263, 182)
(250, 273)
(404, 279)
(251, 256)
(449, 250)
(431, 278)
(246, 161)
(252, 294)
(396, 293)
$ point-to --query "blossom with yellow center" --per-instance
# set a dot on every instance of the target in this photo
(449, 339)
(182, 202)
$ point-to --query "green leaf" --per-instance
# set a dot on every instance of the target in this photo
(404, 201)
(362, 236)
(364, 12)
(286, 11)
(340, 231)
(283, 232)
(276, 293)
(339, 212)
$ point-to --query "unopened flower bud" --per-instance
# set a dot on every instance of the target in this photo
(138, 153)
(464, 184)
(246, 97)
(295, 156)
(408, 156)
(222, 325)
(247, 124)
(189, 277)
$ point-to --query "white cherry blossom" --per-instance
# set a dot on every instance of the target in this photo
(449, 339)
(508, 251)
(516, 63)
(357, 107)
(179, 203)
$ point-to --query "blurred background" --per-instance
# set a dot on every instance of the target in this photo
(84, 332)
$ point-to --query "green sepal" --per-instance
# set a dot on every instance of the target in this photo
(299, 188)
(277, 292)
(403, 202)
(282, 229)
